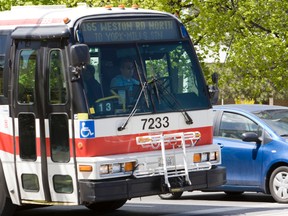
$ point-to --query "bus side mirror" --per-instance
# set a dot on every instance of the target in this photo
(213, 89)
(79, 55)
(79, 58)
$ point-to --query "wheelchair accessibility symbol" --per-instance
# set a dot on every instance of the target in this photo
(87, 129)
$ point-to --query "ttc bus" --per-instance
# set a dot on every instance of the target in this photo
(68, 140)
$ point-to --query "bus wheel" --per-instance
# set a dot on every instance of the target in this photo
(7, 208)
(106, 206)
(170, 196)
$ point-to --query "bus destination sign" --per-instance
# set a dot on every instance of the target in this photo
(128, 30)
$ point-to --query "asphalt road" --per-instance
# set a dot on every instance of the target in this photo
(194, 203)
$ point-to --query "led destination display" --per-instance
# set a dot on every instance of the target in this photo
(128, 30)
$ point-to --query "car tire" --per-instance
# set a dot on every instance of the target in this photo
(170, 196)
(278, 184)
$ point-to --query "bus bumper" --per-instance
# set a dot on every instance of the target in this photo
(117, 189)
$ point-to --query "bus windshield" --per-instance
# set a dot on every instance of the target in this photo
(144, 77)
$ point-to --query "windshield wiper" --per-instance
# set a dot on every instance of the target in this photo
(133, 111)
(157, 83)
(284, 135)
(142, 84)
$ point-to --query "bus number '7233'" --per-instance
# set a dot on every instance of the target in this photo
(152, 123)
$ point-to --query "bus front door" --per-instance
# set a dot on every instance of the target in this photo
(45, 163)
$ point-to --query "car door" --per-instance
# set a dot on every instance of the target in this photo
(243, 160)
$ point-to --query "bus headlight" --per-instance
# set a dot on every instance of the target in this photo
(114, 168)
(205, 157)
(213, 156)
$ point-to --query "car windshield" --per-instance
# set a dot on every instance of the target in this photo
(277, 120)
(165, 77)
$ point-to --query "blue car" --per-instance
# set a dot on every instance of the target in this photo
(254, 143)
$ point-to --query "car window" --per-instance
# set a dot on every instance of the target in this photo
(277, 119)
(233, 125)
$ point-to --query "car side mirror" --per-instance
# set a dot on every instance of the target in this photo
(250, 137)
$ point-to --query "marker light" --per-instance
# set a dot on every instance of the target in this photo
(135, 6)
(129, 166)
(108, 7)
(85, 168)
(66, 20)
(197, 158)
(121, 6)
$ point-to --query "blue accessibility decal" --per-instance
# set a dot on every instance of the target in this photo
(87, 129)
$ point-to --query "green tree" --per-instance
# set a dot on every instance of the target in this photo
(254, 34)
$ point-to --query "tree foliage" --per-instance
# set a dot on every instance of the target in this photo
(253, 33)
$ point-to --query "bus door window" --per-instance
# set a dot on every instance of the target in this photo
(58, 94)
(59, 137)
(57, 83)
(27, 135)
(26, 79)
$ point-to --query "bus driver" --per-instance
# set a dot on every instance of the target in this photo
(124, 82)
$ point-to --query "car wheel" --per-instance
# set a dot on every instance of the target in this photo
(233, 193)
(170, 196)
(278, 184)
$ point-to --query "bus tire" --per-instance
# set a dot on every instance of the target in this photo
(106, 206)
(171, 196)
(7, 208)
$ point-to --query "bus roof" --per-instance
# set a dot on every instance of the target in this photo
(58, 14)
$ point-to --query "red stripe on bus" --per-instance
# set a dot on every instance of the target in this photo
(102, 146)
(6, 143)
(127, 144)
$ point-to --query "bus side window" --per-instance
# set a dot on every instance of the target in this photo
(57, 82)
(26, 79)
(1, 73)
(3, 44)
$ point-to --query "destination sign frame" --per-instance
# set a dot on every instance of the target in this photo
(95, 31)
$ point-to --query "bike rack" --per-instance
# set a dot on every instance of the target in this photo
(176, 140)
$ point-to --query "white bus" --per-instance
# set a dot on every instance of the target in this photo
(68, 140)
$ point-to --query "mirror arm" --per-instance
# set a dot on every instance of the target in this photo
(75, 71)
